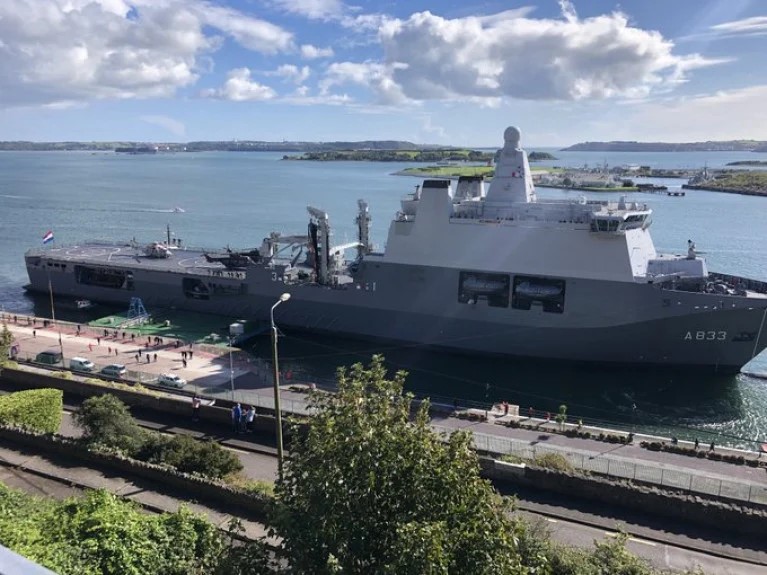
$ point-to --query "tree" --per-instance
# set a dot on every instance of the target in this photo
(368, 489)
(107, 421)
(6, 340)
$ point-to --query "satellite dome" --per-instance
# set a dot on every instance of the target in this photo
(511, 136)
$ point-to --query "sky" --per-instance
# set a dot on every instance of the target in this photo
(453, 72)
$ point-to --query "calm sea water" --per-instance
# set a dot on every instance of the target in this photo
(236, 199)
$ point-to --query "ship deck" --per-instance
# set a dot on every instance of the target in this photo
(131, 256)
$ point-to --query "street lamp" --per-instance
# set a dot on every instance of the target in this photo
(277, 413)
(236, 329)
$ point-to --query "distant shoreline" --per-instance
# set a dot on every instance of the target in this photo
(713, 146)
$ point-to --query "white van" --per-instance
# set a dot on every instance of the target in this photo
(81, 364)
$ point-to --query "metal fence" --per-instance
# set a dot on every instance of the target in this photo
(646, 472)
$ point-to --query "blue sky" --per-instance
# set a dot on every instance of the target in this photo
(447, 72)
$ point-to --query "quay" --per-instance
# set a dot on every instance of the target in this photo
(495, 431)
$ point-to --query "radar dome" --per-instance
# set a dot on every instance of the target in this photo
(511, 136)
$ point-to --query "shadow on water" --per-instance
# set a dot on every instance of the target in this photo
(643, 397)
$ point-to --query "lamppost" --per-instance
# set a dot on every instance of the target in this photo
(275, 363)
(236, 329)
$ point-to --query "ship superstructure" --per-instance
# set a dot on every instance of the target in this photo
(465, 268)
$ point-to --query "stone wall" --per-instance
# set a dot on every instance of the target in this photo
(678, 505)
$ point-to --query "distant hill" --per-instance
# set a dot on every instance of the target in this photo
(217, 146)
(712, 146)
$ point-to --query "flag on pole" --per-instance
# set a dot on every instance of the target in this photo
(48, 237)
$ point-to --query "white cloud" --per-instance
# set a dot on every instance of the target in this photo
(373, 75)
(729, 114)
(251, 33)
(309, 52)
(173, 126)
(240, 88)
(313, 9)
(756, 25)
(56, 52)
(292, 73)
(508, 55)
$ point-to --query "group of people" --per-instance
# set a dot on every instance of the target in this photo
(243, 418)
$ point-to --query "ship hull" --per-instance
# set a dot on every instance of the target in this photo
(596, 321)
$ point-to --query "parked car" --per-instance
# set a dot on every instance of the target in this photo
(81, 364)
(114, 370)
(50, 357)
(171, 380)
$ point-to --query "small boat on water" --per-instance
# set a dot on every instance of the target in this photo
(83, 303)
(178, 210)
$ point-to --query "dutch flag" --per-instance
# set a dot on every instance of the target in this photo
(48, 237)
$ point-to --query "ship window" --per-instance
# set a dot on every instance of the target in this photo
(548, 293)
(613, 226)
(476, 287)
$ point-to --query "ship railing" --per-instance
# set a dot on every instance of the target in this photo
(741, 282)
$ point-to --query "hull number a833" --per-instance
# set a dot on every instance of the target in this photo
(710, 335)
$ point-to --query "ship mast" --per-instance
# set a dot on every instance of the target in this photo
(363, 229)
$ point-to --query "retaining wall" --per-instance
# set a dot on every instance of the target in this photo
(202, 489)
(677, 505)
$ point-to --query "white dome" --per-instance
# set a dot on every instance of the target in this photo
(512, 135)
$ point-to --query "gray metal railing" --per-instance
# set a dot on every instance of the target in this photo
(647, 472)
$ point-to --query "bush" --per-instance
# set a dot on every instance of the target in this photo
(555, 461)
(186, 454)
(100, 533)
(36, 409)
(106, 421)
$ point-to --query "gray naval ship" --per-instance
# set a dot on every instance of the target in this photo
(467, 269)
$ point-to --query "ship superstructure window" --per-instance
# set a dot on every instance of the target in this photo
(532, 291)
(475, 287)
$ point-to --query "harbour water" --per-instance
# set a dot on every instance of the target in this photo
(236, 199)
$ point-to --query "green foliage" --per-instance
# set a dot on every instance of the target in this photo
(252, 558)
(368, 490)
(562, 415)
(106, 421)
(555, 461)
(36, 409)
(103, 534)
(190, 455)
(6, 339)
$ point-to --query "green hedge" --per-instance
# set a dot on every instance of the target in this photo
(38, 409)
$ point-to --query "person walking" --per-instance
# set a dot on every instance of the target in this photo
(250, 417)
(98, 341)
(236, 415)
(137, 356)
(183, 362)
(196, 403)
(34, 333)
(155, 358)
